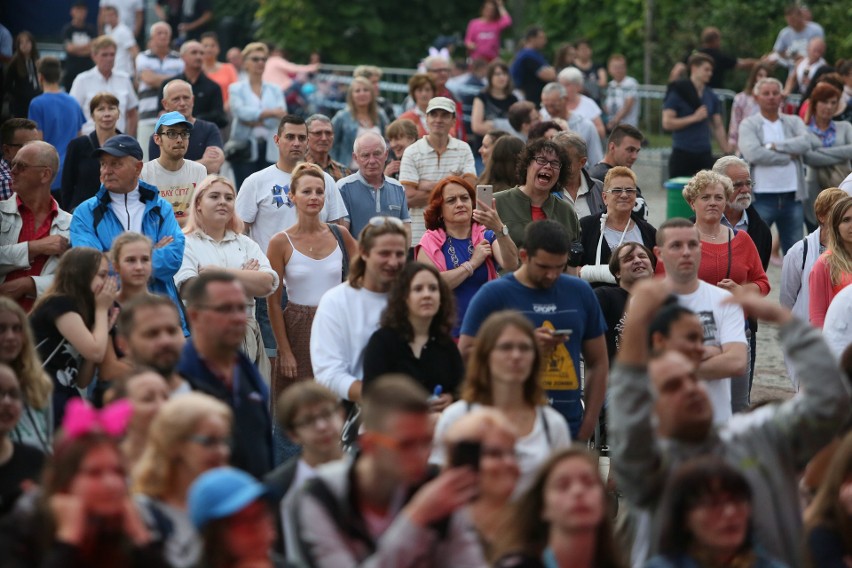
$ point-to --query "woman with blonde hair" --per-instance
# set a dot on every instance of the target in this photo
(215, 239)
(131, 255)
(362, 114)
(833, 269)
(17, 350)
(312, 257)
(190, 435)
(504, 372)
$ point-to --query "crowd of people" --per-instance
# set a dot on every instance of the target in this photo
(232, 335)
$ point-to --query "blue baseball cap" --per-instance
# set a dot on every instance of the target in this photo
(172, 118)
(221, 492)
(120, 146)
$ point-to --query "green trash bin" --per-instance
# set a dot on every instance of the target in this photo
(676, 205)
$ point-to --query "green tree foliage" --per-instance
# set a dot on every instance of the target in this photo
(381, 32)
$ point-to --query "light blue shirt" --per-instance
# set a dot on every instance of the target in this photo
(363, 201)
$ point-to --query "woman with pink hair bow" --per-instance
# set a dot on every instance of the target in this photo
(84, 515)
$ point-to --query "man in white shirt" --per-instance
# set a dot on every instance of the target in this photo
(104, 77)
(173, 175)
(621, 104)
(348, 314)
(263, 202)
(725, 353)
(126, 48)
(800, 77)
(432, 158)
(554, 106)
(130, 12)
(773, 143)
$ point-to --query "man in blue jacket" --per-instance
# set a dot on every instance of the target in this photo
(126, 204)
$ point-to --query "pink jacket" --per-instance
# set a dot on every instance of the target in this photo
(434, 239)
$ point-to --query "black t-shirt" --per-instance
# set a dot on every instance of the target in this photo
(61, 360)
(24, 465)
(440, 362)
(204, 135)
(76, 64)
(612, 300)
(494, 107)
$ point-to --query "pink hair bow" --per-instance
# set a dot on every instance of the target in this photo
(81, 418)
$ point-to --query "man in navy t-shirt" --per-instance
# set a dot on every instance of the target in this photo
(552, 301)
(530, 70)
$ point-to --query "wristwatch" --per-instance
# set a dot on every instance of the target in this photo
(505, 231)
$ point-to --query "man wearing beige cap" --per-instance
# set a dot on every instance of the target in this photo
(433, 157)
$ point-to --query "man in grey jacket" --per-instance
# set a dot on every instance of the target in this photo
(774, 143)
(770, 446)
(381, 509)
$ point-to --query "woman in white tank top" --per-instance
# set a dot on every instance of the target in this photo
(311, 256)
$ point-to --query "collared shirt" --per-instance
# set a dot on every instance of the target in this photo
(29, 232)
(742, 224)
(363, 201)
(89, 83)
(335, 169)
(5, 180)
(581, 204)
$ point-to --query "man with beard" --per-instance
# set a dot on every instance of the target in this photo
(150, 335)
(740, 213)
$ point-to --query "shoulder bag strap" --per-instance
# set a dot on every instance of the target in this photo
(335, 230)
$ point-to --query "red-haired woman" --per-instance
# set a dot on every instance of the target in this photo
(465, 243)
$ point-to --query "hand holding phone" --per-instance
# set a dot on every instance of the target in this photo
(466, 453)
(484, 194)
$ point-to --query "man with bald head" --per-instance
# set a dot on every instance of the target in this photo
(208, 103)
(38, 230)
(14, 133)
(205, 144)
(803, 73)
(155, 66)
(369, 192)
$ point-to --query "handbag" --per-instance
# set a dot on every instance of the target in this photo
(237, 150)
(832, 176)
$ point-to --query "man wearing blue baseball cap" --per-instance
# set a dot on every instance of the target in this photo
(171, 173)
(124, 203)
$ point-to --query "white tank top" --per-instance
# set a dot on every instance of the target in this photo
(308, 279)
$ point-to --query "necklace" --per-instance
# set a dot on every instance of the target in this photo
(452, 251)
(711, 237)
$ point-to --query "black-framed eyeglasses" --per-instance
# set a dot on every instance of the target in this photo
(175, 134)
(542, 161)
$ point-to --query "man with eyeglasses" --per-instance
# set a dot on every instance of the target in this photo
(14, 133)
(125, 203)
(171, 173)
(740, 213)
(568, 319)
(35, 230)
(205, 145)
(213, 363)
(320, 141)
(387, 507)
(369, 192)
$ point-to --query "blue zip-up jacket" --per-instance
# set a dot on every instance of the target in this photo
(96, 225)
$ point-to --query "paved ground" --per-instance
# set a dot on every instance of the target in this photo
(770, 380)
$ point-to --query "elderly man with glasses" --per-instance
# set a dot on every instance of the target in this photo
(320, 141)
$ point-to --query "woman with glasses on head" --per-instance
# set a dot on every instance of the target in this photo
(257, 107)
(215, 240)
(465, 240)
(415, 339)
(190, 435)
(362, 114)
(491, 105)
(619, 224)
(543, 167)
(707, 520)
(311, 257)
(503, 372)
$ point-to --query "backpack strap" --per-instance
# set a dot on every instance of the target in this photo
(804, 252)
(546, 425)
(335, 230)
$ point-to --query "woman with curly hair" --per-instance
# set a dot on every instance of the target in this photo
(415, 335)
(562, 519)
(17, 349)
(465, 240)
(504, 372)
(190, 435)
(833, 269)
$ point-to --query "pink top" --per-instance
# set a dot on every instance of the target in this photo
(224, 76)
(486, 35)
(433, 240)
(822, 290)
